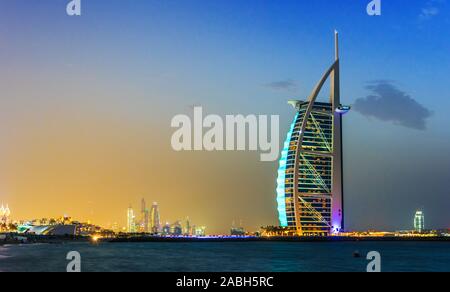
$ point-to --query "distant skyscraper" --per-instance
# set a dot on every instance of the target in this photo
(310, 179)
(5, 214)
(200, 231)
(144, 224)
(166, 230)
(155, 222)
(131, 221)
(419, 221)
(115, 227)
(177, 228)
(188, 230)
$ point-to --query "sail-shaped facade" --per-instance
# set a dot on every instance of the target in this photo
(310, 179)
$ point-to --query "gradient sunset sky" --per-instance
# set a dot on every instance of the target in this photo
(86, 104)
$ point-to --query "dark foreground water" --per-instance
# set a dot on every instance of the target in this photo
(228, 257)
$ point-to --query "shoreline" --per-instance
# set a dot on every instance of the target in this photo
(275, 239)
(41, 239)
(156, 239)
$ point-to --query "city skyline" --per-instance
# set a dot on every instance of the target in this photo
(186, 228)
(87, 103)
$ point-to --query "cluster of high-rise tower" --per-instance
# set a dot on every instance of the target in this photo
(149, 221)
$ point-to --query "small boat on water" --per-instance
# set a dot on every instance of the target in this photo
(356, 254)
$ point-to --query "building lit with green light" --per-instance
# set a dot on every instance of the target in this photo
(419, 222)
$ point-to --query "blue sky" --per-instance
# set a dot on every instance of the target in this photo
(143, 61)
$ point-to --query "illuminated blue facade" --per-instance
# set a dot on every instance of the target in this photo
(310, 210)
(281, 181)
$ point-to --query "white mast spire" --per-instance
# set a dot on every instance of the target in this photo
(336, 45)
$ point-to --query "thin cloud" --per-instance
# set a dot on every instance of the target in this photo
(388, 103)
(285, 85)
(431, 9)
(428, 13)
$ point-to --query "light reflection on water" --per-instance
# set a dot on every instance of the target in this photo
(228, 257)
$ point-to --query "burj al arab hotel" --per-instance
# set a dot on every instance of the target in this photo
(310, 175)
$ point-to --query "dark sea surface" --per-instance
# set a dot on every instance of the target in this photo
(228, 257)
